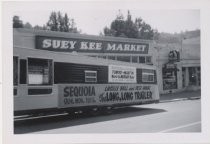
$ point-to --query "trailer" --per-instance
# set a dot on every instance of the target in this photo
(46, 81)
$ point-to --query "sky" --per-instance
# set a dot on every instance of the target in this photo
(92, 17)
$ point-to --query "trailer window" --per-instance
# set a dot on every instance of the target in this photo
(111, 57)
(15, 71)
(148, 75)
(104, 57)
(123, 58)
(39, 71)
(134, 59)
(148, 60)
(141, 59)
(23, 71)
(91, 76)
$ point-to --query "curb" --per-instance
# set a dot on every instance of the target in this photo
(194, 98)
(180, 99)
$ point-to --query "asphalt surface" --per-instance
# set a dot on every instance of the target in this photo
(185, 95)
(171, 117)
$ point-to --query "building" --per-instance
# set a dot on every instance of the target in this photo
(179, 65)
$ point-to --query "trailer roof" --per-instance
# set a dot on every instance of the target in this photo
(73, 56)
(76, 35)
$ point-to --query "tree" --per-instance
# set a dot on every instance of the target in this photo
(117, 26)
(72, 27)
(17, 23)
(27, 25)
(58, 22)
(128, 28)
(144, 30)
(108, 32)
(44, 27)
(131, 30)
(66, 23)
(37, 27)
(156, 34)
(53, 22)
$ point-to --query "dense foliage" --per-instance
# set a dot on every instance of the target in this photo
(17, 23)
(58, 22)
(121, 27)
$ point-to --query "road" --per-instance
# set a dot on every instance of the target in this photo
(171, 117)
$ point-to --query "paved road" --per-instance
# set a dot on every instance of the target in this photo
(179, 116)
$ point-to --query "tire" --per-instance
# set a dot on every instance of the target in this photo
(107, 110)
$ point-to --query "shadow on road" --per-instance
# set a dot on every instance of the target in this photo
(49, 123)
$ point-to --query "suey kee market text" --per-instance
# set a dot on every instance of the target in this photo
(93, 94)
(61, 44)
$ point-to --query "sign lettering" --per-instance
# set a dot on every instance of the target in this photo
(122, 74)
(88, 45)
(71, 95)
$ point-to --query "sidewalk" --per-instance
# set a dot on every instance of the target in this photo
(185, 95)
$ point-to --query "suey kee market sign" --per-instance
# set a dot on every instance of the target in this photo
(84, 45)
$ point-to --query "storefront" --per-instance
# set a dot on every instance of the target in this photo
(179, 66)
(191, 77)
(169, 76)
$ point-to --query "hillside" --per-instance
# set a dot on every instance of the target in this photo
(176, 37)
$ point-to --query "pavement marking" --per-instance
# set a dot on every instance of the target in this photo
(20, 118)
(173, 100)
(179, 99)
(179, 127)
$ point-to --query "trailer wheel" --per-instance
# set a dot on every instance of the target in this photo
(70, 113)
(91, 112)
(95, 111)
(107, 110)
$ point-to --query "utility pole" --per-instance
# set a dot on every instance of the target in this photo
(158, 54)
(181, 51)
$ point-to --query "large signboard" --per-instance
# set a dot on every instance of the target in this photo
(169, 77)
(88, 45)
(122, 74)
(174, 56)
(73, 95)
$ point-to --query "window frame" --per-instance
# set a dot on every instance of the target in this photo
(51, 82)
(143, 57)
(23, 79)
(95, 77)
(148, 59)
(111, 57)
(17, 71)
(124, 58)
(133, 59)
(15, 85)
(148, 74)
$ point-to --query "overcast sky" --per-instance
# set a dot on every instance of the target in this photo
(92, 17)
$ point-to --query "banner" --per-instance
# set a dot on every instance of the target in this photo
(72, 95)
(89, 45)
(122, 74)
